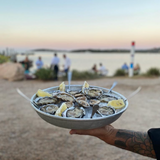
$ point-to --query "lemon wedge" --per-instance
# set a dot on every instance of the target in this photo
(85, 85)
(117, 104)
(41, 93)
(62, 108)
(62, 87)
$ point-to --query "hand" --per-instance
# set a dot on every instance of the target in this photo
(106, 133)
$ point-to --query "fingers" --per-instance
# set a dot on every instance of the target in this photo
(92, 132)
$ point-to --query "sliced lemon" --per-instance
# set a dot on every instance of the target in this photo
(41, 93)
(85, 85)
(62, 87)
(62, 108)
(117, 104)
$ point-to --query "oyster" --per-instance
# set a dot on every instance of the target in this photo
(74, 113)
(83, 103)
(107, 99)
(106, 110)
(45, 100)
(111, 95)
(55, 92)
(69, 104)
(49, 108)
(94, 102)
(93, 92)
(78, 95)
(73, 92)
(65, 97)
(82, 98)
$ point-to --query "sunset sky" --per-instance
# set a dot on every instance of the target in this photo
(75, 24)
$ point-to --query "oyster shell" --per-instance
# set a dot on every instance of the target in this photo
(94, 102)
(82, 98)
(73, 92)
(93, 92)
(65, 97)
(49, 108)
(106, 110)
(78, 95)
(83, 103)
(45, 100)
(111, 95)
(107, 99)
(74, 113)
(55, 92)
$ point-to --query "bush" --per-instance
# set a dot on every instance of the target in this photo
(82, 75)
(153, 72)
(44, 74)
(120, 72)
(4, 59)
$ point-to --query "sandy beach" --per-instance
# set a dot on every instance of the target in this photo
(25, 136)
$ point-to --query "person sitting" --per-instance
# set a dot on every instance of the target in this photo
(125, 68)
(102, 70)
(137, 69)
(94, 68)
(27, 64)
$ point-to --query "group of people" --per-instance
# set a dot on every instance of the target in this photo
(102, 70)
(126, 68)
(55, 64)
(27, 64)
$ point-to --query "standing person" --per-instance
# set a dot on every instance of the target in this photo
(26, 65)
(39, 63)
(54, 66)
(67, 64)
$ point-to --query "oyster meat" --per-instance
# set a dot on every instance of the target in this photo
(106, 110)
(45, 100)
(83, 103)
(78, 95)
(107, 99)
(82, 98)
(49, 108)
(93, 92)
(69, 104)
(94, 102)
(73, 92)
(75, 113)
(65, 97)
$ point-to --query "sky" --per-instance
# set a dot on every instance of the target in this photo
(79, 24)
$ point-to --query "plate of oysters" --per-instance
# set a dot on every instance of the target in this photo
(72, 106)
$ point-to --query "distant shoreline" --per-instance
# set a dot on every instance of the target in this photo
(150, 51)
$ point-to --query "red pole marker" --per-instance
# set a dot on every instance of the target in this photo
(132, 59)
